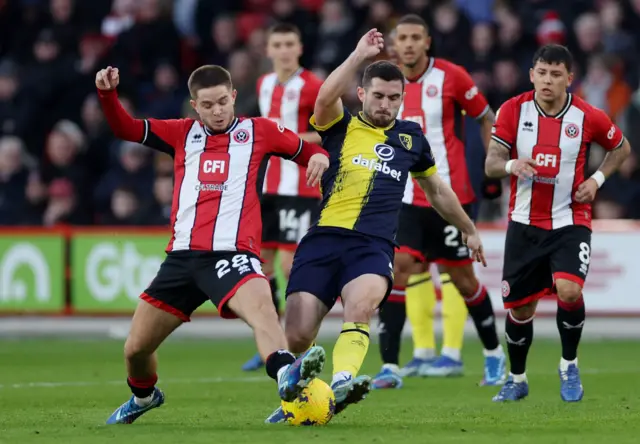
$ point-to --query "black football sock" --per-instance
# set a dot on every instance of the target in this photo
(570, 318)
(519, 336)
(392, 317)
(481, 311)
(142, 387)
(277, 360)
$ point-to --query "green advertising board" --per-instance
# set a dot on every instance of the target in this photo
(110, 271)
(32, 273)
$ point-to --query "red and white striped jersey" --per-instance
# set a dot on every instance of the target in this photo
(436, 100)
(560, 147)
(291, 105)
(215, 203)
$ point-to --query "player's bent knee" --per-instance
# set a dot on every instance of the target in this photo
(299, 339)
(464, 278)
(568, 291)
(362, 297)
(524, 312)
(136, 349)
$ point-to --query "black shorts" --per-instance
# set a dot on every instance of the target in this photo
(187, 279)
(286, 219)
(425, 235)
(534, 258)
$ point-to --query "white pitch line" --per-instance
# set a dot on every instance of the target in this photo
(220, 380)
(251, 379)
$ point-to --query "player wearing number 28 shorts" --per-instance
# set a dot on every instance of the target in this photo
(216, 231)
(541, 140)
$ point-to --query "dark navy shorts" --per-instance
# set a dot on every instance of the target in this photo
(329, 258)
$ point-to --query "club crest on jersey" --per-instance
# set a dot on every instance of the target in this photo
(432, 90)
(572, 130)
(291, 95)
(241, 136)
(406, 141)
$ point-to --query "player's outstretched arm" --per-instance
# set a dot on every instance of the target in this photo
(328, 105)
(446, 203)
(121, 123)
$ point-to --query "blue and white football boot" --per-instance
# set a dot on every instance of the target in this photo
(388, 378)
(299, 374)
(443, 366)
(413, 367)
(253, 364)
(350, 391)
(495, 371)
(512, 391)
(570, 385)
(130, 411)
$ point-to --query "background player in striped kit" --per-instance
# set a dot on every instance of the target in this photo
(286, 95)
(437, 94)
(541, 139)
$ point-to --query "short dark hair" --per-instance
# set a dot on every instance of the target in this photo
(208, 76)
(554, 54)
(413, 19)
(384, 70)
(284, 28)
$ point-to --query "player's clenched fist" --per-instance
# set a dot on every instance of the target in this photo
(371, 44)
(107, 79)
(318, 164)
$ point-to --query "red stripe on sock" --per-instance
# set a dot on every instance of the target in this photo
(397, 294)
(143, 383)
(475, 298)
(571, 306)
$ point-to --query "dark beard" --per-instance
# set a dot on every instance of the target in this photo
(380, 121)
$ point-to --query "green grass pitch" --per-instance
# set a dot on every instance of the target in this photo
(62, 392)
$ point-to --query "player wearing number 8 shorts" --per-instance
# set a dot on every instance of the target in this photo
(541, 140)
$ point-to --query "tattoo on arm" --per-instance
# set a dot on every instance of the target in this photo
(614, 159)
(497, 157)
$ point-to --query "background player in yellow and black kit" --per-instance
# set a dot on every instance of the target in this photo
(349, 251)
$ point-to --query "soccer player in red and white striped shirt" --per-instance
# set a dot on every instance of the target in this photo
(541, 139)
(289, 206)
(215, 244)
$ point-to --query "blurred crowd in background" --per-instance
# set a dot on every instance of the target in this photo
(59, 162)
